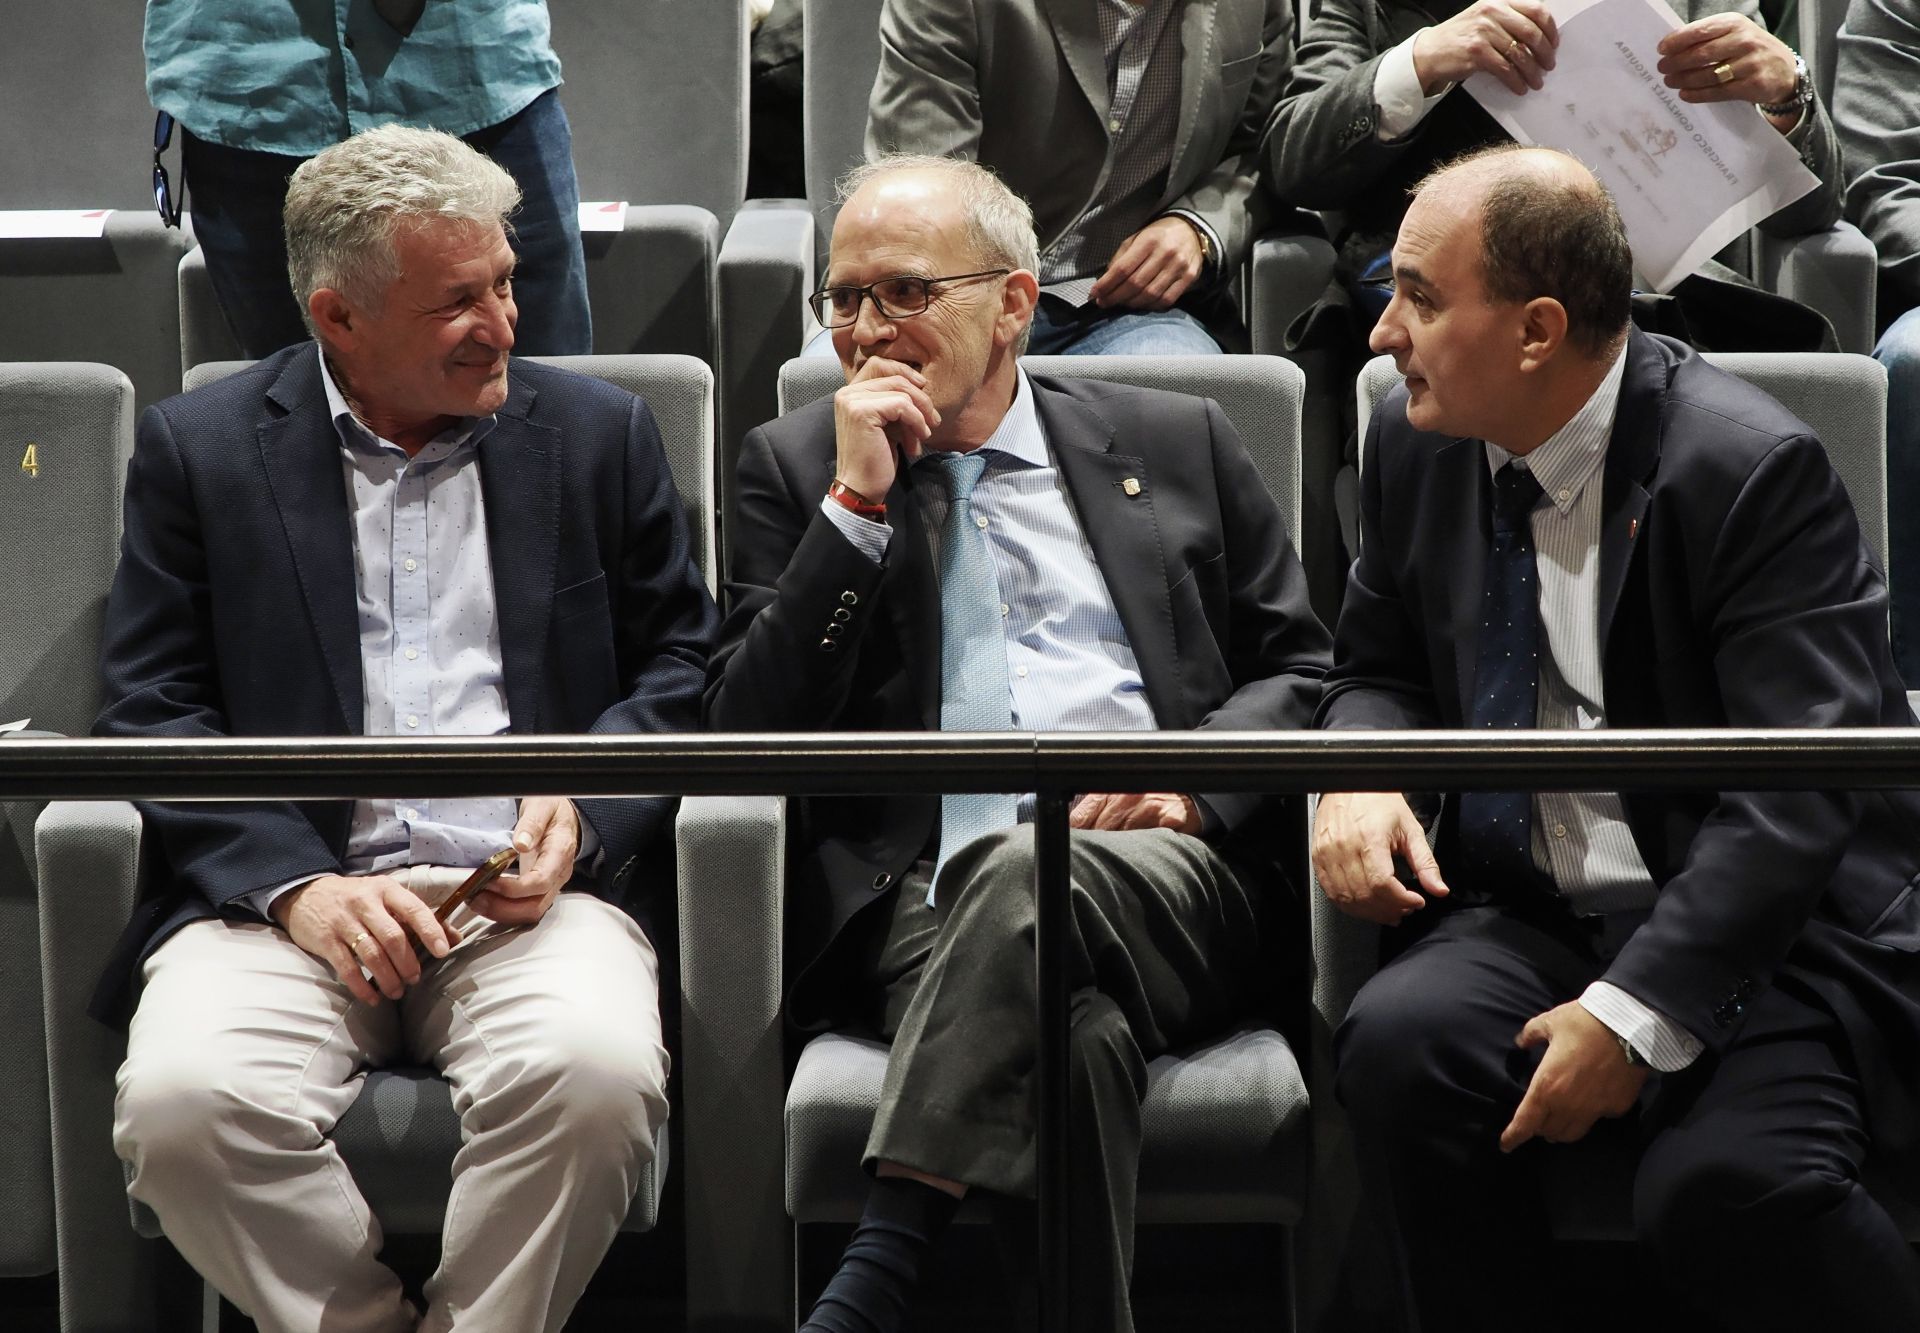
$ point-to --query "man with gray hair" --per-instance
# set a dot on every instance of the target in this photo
(1070, 555)
(397, 531)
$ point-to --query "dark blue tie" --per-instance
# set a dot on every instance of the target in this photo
(1496, 827)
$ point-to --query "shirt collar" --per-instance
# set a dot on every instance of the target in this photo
(1571, 455)
(354, 432)
(1018, 436)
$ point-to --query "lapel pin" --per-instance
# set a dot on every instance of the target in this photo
(30, 461)
(1130, 485)
(1633, 528)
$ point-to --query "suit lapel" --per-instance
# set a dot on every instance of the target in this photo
(300, 453)
(1460, 473)
(1197, 66)
(1076, 28)
(520, 481)
(913, 599)
(1632, 453)
(1123, 531)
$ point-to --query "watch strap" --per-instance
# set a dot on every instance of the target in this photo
(854, 502)
(1802, 92)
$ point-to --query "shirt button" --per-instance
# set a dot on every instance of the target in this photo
(408, 812)
(1565, 494)
(1559, 830)
(412, 653)
(413, 720)
(979, 520)
(1113, 126)
(1020, 671)
(411, 565)
(1003, 608)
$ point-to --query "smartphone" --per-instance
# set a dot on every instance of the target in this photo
(486, 873)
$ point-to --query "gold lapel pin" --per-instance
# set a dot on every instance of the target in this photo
(1130, 485)
(30, 461)
(1633, 528)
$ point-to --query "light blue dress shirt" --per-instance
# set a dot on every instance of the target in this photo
(293, 76)
(430, 659)
(1070, 664)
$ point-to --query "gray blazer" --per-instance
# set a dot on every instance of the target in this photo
(1021, 86)
(1876, 109)
(1321, 153)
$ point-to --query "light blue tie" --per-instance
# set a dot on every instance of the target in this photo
(974, 693)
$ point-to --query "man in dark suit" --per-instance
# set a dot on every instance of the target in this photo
(950, 543)
(1568, 525)
(1142, 178)
(397, 532)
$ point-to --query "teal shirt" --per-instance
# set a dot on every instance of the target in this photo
(293, 76)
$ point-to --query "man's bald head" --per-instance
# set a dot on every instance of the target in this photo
(996, 223)
(1547, 228)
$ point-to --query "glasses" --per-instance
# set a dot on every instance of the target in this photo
(163, 199)
(899, 297)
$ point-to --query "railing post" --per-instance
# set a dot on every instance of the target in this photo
(1052, 885)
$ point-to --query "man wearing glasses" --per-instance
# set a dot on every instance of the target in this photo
(950, 542)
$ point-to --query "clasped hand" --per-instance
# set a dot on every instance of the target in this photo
(351, 922)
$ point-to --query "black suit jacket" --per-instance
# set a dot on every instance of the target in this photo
(233, 614)
(1198, 565)
(1734, 591)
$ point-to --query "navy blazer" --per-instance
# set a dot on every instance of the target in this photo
(1735, 591)
(233, 610)
(1196, 558)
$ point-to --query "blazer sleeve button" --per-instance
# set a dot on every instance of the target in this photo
(828, 646)
(849, 598)
(881, 880)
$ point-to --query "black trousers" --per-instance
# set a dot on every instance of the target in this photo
(1747, 1191)
(1166, 950)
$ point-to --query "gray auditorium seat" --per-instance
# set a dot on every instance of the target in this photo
(400, 1135)
(65, 429)
(1225, 1122)
(1841, 395)
(108, 300)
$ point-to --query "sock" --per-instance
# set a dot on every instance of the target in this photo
(883, 1261)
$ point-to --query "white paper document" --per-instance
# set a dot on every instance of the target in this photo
(55, 223)
(1689, 179)
(21, 725)
(597, 216)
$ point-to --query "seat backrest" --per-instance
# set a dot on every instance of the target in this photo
(657, 97)
(678, 390)
(108, 299)
(1842, 395)
(1261, 396)
(841, 40)
(65, 434)
(651, 286)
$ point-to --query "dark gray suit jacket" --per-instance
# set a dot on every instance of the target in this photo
(1021, 86)
(232, 611)
(1197, 562)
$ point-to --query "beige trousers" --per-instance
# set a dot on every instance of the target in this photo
(246, 1050)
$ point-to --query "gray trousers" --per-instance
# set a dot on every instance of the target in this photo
(1166, 950)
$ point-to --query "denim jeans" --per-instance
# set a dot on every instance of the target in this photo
(1899, 352)
(1061, 330)
(235, 196)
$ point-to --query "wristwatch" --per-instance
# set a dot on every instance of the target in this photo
(1802, 92)
(840, 493)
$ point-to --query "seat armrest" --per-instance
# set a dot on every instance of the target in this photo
(1835, 271)
(766, 271)
(1291, 268)
(732, 877)
(88, 853)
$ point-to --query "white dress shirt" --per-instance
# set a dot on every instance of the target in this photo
(1581, 839)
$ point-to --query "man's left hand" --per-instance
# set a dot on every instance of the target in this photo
(1760, 63)
(1153, 268)
(547, 837)
(1136, 810)
(1583, 1076)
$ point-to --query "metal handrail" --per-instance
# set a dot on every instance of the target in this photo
(1053, 764)
(853, 763)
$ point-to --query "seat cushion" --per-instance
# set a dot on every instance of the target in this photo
(399, 1138)
(1224, 1128)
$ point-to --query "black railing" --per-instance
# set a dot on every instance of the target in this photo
(1055, 765)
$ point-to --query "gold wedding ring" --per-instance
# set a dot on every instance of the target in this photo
(354, 943)
(1513, 49)
(1723, 72)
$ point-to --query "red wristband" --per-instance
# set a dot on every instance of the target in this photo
(854, 502)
